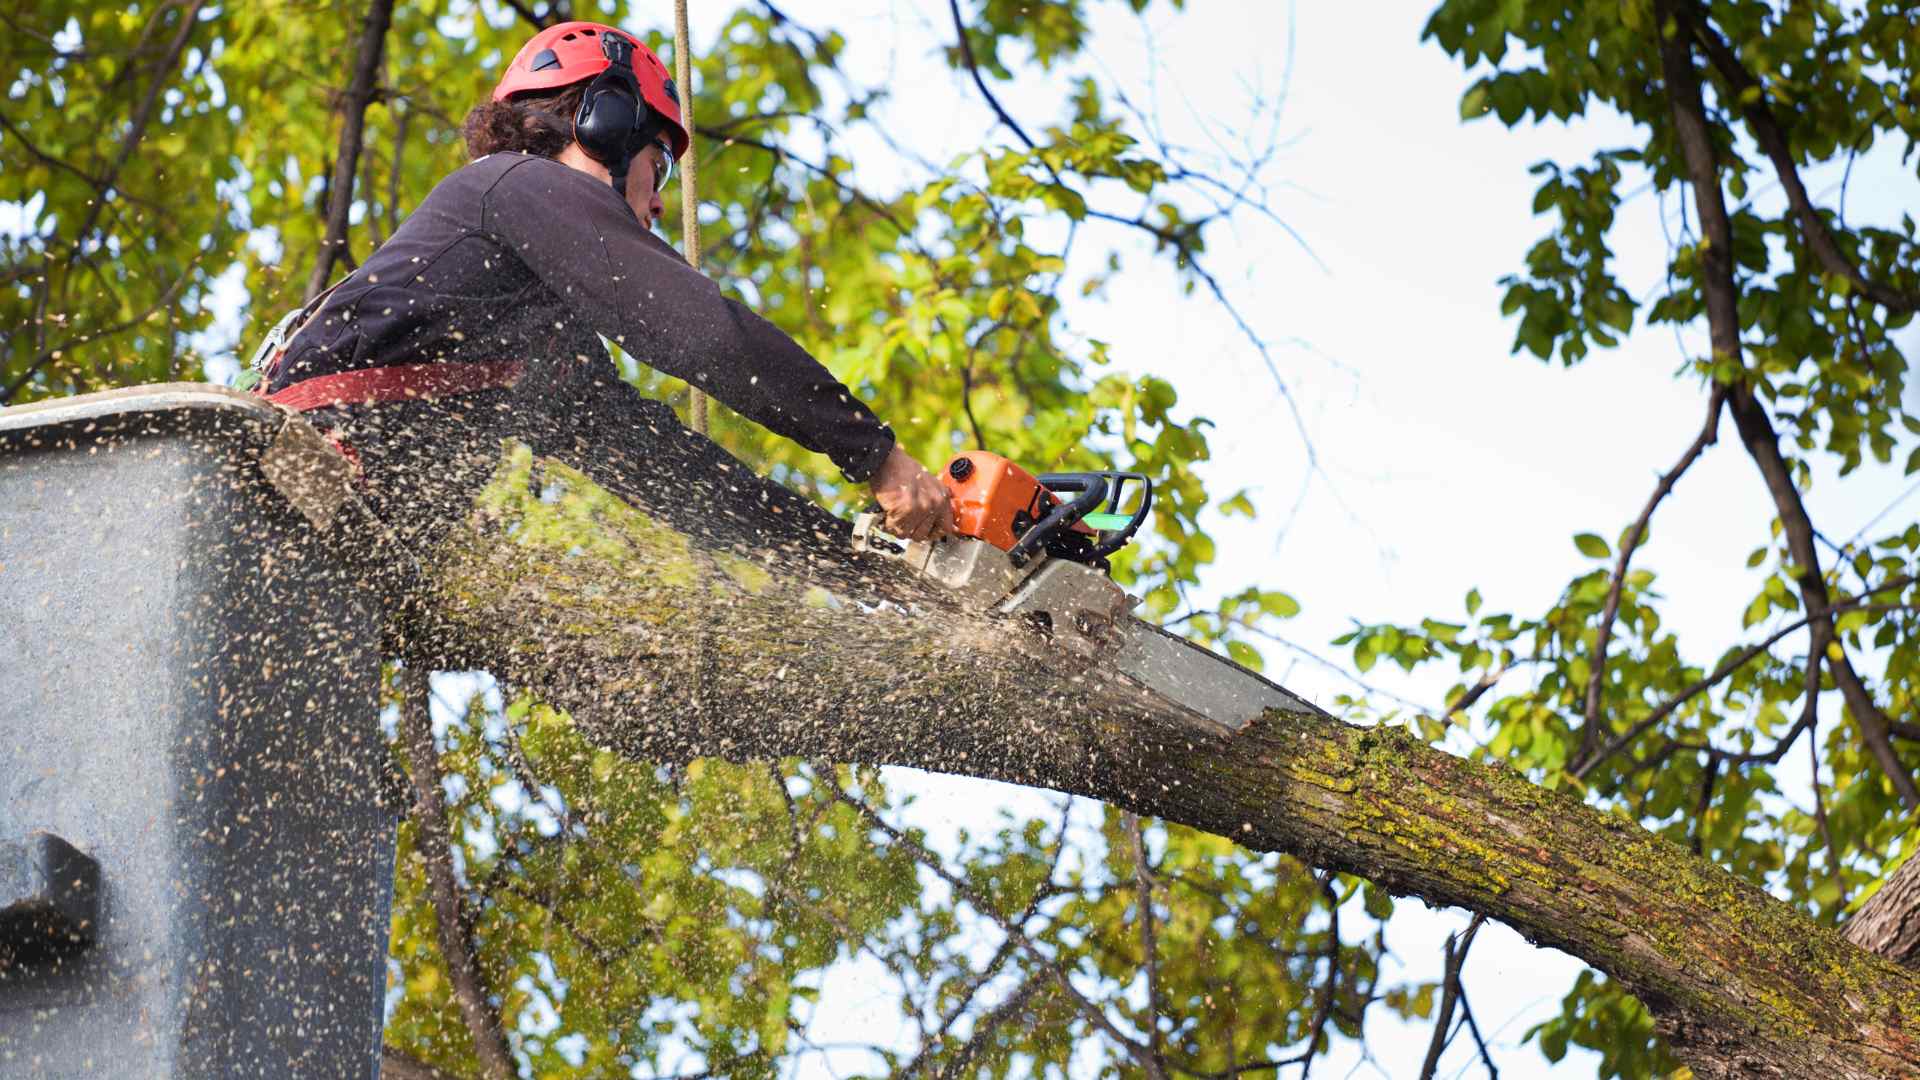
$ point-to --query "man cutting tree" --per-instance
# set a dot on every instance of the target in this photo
(491, 302)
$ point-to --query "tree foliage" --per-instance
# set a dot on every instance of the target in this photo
(164, 154)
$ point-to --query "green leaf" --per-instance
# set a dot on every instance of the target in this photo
(1476, 102)
(1592, 546)
(1279, 604)
(1244, 654)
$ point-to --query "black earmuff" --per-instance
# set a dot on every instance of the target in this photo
(614, 123)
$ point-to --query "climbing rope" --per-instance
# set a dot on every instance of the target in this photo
(689, 172)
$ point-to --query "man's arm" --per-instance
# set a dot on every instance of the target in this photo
(632, 288)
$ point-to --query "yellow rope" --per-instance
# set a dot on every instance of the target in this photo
(689, 171)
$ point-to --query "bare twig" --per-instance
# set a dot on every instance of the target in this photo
(984, 1028)
(137, 127)
(979, 81)
(45, 158)
(1819, 800)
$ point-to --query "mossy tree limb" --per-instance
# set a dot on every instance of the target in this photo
(667, 649)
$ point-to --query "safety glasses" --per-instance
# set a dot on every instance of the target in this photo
(660, 158)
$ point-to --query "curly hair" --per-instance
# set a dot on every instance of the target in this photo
(536, 123)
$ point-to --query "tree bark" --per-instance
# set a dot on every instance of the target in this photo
(1889, 922)
(667, 648)
(346, 165)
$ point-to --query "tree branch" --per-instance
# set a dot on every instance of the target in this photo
(48, 355)
(1889, 922)
(1749, 415)
(397, 1064)
(983, 1029)
(1740, 982)
(1746, 93)
(1451, 995)
(366, 69)
(973, 68)
(435, 849)
(137, 127)
(966, 891)
(1590, 730)
(1720, 674)
(1149, 944)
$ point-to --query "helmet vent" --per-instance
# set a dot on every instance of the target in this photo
(546, 59)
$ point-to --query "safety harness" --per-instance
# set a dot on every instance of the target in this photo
(366, 386)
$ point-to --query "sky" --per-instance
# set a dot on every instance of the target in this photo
(1444, 462)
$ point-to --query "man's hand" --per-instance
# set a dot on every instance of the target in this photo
(914, 501)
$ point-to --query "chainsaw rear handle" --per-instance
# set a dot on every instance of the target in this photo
(1092, 491)
(1113, 540)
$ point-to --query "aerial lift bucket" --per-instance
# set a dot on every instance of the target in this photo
(195, 853)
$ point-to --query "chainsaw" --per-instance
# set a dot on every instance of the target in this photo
(1036, 550)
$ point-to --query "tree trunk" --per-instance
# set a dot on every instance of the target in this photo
(668, 648)
(1889, 922)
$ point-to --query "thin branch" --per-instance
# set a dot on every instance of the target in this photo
(1330, 990)
(973, 68)
(1149, 942)
(1181, 242)
(521, 9)
(984, 1028)
(1709, 777)
(1590, 730)
(45, 158)
(1751, 98)
(781, 18)
(1451, 994)
(142, 116)
(397, 1064)
(48, 355)
(965, 891)
(1819, 801)
(1479, 1040)
(366, 69)
(403, 118)
(435, 850)
(1721, 673)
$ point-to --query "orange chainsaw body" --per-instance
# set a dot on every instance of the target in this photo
(995, 500)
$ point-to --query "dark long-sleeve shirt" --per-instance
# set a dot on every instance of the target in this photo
(522, 258)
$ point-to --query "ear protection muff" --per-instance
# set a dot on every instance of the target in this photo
(613, 122)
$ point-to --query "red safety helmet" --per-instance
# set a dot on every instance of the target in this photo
(571, 52)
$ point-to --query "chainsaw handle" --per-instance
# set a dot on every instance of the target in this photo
(1115, 539)
(1092, 489)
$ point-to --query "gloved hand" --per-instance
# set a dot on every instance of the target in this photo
(914, 501)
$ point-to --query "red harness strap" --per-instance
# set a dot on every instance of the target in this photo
(402, 382)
